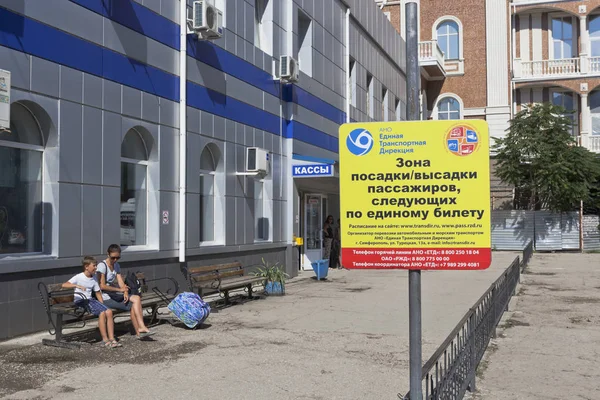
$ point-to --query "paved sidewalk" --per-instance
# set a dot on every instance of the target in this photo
(344, 338)
(550, 346)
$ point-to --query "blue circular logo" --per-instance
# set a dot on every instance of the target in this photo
(359, 142)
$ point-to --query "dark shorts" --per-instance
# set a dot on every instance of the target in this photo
(116, 301)
(92, 306)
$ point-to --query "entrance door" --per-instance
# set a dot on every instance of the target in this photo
(315, 207)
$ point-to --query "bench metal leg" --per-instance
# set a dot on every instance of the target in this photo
(250, 292)
(58, 342)
(226, 292)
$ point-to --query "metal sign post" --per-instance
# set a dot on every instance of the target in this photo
(414, 276)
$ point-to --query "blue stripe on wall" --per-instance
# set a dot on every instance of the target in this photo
(220, 59)
(146, 22)
(217, 103)
(49, 43)
(301, 97)
(31, 37)
(136, 17)
(309, 135)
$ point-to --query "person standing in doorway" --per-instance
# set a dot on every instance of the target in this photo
(328, 237)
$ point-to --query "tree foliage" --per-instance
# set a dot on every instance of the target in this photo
(540, 157)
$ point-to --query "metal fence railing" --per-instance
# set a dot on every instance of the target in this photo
(451, 370)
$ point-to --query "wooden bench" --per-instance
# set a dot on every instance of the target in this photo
(221, 278)
(60, 302)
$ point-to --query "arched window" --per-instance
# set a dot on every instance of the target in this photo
(209, 212)
(448, 108)
(448, 38)
(21, 157)
(134, 175)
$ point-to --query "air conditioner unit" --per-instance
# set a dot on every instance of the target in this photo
(288, 69)
(207, 20)
(257, 160)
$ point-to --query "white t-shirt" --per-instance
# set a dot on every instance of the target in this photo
(110, 276)
(89, 284)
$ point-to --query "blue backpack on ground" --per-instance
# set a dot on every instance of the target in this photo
(190, 309)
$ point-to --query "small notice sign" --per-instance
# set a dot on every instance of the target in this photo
(165, 217)
(4, 99)
(415, 195)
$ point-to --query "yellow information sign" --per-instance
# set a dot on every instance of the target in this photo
(415, 195)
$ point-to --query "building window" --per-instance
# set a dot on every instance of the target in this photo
(565, 100)
(594, 28)
(594, 99)
(448, 108)
(134, 175)
(352, 83)
(305, 43)
(263, 209)
(397, 109)
(209, 159)
(262, 29)
(384, 105)
(21, 156)
(562, 38)
(448, 38)
(370, 91)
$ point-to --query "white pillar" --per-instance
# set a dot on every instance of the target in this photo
(586, 116)
(584, 44)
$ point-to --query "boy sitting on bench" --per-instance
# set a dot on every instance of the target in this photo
(84, 283)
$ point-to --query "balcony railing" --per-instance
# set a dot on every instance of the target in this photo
(590, 142)
(549, 69)
(430, 50)
(431, 59)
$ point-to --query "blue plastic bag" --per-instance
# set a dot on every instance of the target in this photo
(190, 309)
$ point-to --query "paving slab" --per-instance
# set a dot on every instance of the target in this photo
(549, 347)
(343, 338)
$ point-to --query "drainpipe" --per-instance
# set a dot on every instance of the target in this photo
(182, 125)
(348, 91)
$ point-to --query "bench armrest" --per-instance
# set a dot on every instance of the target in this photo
(175, 283)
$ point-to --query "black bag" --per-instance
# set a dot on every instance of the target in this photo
(135, 286)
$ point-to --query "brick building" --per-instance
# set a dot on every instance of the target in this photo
(460, 79)
(484, 59)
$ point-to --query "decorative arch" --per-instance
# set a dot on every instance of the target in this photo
(211, 159)
(138, 143)
(444, 96)
(454, 21)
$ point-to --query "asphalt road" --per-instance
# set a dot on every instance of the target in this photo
(344, 338)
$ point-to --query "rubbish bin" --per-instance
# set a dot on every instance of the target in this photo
(321, 268)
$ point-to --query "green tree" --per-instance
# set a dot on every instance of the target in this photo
(540, 157)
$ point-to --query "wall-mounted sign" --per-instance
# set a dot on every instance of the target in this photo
(4, 99)
(165, 217)
(312, 170)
